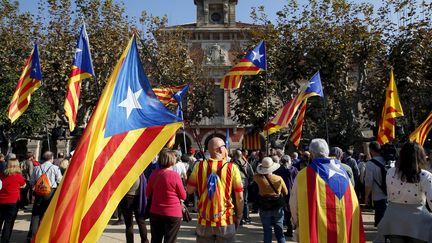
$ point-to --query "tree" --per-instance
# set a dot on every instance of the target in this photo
(17, 35)
(170, 62)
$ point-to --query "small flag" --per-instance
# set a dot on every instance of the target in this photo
(284, 116)
(252, 141)
(227, 139)
(166, 95)
(298, 126)
(29, 82)
(126, 131)
(392, 109)
(82, 68)
(251, 64)
(420, 134)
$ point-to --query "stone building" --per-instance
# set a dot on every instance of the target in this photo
(218, 37)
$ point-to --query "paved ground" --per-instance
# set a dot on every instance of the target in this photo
(115, 233)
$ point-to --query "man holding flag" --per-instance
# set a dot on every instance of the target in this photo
(82, 68)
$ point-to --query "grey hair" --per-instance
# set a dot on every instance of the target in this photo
(286, 159)
(319, 148)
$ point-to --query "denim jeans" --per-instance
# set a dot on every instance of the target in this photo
(273, 218)
(246, 204)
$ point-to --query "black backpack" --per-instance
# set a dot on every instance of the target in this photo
(383, 169)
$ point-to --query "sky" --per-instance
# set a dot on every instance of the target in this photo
(184, 11)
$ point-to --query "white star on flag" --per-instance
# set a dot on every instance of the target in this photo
(131, 101)
(77, 50)
(257, 56)
(335, 169)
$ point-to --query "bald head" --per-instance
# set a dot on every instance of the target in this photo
(217, 149)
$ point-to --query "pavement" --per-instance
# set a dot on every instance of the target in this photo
(115, 233)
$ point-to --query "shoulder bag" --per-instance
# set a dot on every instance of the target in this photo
(271, 203)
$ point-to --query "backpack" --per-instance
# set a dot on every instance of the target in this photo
(383, 169)
(43, 186)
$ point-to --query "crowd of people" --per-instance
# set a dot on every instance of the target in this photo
(294, 194)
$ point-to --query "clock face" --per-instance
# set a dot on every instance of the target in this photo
(216, 18)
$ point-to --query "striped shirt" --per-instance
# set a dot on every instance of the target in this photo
(219, 210)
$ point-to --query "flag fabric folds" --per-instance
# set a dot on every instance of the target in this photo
(284, 116)
(298, 126)
(328, 208)
(29, 82)
(82, 68)
(420, 134)
(392, 109)
(251, 64)
(166, 95)
(252, 141)
(126, 131)
(227, 139)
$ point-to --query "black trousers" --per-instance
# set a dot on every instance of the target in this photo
(164, 227)
(8, 213)
(129, 205)
(39, 207)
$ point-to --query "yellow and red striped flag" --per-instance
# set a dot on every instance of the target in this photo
(420, 134)
(251, 64)
(284, 116)
(392, 109)
(82, 68)
(298, 126)
(29, 82)
(127, 129)
(166, 95)
(252, 141)
(328, 209)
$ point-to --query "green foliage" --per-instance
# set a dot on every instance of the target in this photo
(169, 62)
(354, 50)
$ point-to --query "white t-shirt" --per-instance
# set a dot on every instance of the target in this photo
(399, 191)
(180, 169)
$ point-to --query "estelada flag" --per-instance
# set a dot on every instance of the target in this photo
(328, 208)
(298, 126)
(166, 95)
(284, 116)
(420, 134)
(29, 82)
(251, 64)
(126, 131)
(82, 68)
(392, 109)
(252, 141)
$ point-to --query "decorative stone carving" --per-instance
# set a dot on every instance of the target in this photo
(215, 55)
(226, 11)
(206, 13)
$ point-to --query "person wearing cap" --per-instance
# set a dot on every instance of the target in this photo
(372, 178)
(270, 187)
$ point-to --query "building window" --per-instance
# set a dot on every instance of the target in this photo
(216, 15)
(219, 101)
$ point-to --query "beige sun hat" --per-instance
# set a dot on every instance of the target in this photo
(267, 166)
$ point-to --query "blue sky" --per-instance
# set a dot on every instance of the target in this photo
(180, 11)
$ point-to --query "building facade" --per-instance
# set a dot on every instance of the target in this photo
(218, 37)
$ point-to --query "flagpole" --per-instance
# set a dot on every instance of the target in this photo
(267, 106)
(325, 117)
